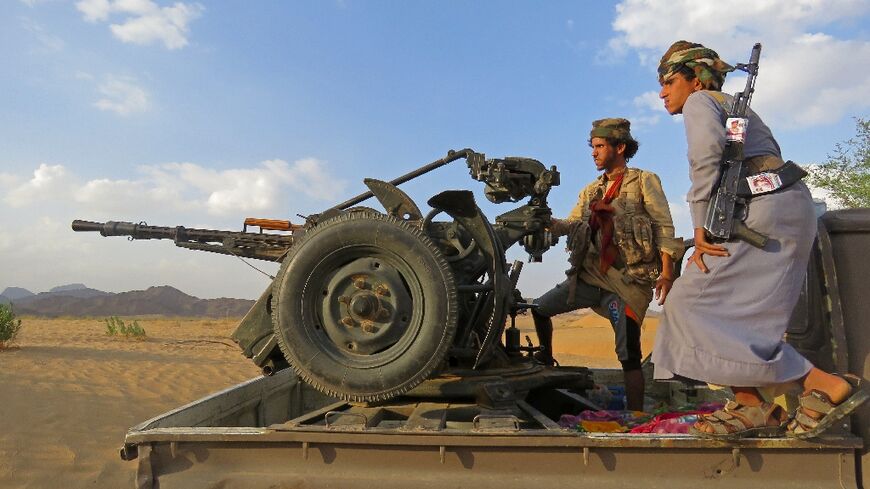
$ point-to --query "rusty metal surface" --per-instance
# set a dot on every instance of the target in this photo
(464, 383)
(849, 232)
(466, 437)
(275, 434)
(834, 304)
(338, 465)
(396, 202)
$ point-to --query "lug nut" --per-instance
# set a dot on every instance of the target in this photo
(382, 290)
(360, 283)
(348, 321)
(344, 299)
(368, 327)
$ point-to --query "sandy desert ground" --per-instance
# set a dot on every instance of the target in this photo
(68, 392)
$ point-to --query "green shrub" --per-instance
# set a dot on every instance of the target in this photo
(115, 327)
(111, 328)
(9, 325)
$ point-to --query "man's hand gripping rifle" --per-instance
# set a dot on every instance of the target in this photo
(727, 209)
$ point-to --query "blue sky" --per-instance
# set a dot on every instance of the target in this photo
(204, 113)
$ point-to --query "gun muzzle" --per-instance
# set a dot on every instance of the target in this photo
(80, 225)
(112, 228)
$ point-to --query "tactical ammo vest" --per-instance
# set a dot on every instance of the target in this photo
(632, 229)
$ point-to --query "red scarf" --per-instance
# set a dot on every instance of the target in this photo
(602, 219)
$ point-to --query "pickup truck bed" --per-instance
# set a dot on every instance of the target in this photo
(278, 432)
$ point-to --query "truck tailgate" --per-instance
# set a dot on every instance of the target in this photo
(278, 432)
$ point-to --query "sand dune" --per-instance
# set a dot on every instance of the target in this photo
(68, 392)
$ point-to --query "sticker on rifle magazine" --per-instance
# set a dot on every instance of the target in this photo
(763, 183)
(735, 129)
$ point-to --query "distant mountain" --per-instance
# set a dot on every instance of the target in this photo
(73, 290)
(14, 293)
(81, 293)
(68, 287)
(163, 300)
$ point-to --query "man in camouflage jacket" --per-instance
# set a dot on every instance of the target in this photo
(622, 247)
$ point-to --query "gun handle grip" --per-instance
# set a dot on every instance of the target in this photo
(741, 231)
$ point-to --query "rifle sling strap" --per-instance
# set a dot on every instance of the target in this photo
(769, 181)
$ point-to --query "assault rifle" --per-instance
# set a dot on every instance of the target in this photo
(723, 222)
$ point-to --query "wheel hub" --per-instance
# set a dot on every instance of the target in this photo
(366, 306)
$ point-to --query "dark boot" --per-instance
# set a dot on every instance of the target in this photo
(544, 330)
(634, 389)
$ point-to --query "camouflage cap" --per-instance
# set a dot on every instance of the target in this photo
(614, 128)
(708, 67)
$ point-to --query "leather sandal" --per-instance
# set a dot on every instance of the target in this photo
(806, 424)
(738, 421)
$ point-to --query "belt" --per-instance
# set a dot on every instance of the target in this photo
(768, 174)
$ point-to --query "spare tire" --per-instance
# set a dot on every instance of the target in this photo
(364, 306)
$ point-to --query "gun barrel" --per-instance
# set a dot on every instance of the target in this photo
(755, 55)
(122, 228)
(80, 225)
(262, 246)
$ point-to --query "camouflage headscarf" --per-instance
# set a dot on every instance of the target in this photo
(614, 128)
(708, 67)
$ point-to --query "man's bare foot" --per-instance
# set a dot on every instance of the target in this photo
(835, 387)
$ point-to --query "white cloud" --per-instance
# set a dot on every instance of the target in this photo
(185, 188)
(94, 10)
(49, 182)
(144, 21)
(45, 202)
(8, 180)
(649, 101)
(255, 189)
(122, 96)
(117, 195)
(802, 80)
(650, 110)
(312, 180)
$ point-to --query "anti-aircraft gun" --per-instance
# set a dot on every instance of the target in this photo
(369, 305)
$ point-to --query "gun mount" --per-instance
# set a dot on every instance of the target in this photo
(367, 305)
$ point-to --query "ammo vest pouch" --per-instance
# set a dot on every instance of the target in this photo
(767, 178)
(636, 244)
